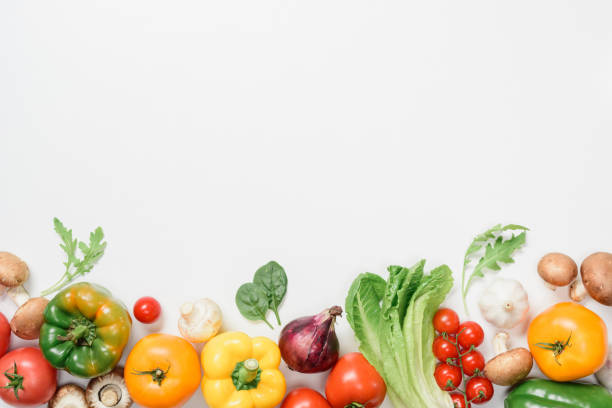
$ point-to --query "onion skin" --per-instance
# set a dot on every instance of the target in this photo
(309, 344)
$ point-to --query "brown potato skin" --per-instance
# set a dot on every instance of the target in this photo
(553, 264)
(510, 367)
(596, 272)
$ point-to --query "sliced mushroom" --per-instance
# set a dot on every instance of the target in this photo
(28, 319)
(13, 273)
(509, 367)
(557, 270)
(108, 391)
(68, 396)
(596, 272)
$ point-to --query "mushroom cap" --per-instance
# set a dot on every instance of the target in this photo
(108, 391)
(200, 320)
(13, 271)
(68, 396)
(510, 367)
(557, 269)
(596, 272)
(28, 319)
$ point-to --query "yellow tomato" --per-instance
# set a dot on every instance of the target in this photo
(568, 341)
(162, 371)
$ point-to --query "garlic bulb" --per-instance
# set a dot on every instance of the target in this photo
(504, 303)
(200, 320)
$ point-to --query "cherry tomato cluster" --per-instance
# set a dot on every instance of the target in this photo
(455, 348)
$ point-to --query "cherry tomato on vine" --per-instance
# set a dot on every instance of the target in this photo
(147, 310)
(473, 362)
(446, 321)
(444, 349)
(447, 376)
(304, 398)
(459, 400)
(479, 390)
(470, 334)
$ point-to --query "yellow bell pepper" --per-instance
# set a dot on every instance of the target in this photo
(242, 372)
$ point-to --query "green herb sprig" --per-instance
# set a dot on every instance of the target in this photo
(497, 249)
(76, 266)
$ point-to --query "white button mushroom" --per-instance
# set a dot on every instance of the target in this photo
(108, 391)
(200, 320)
(504, 303)
(68, 396)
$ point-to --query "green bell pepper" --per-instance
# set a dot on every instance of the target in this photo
(538, 393)
(85, 330)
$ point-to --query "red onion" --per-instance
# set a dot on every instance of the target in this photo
(309, 344)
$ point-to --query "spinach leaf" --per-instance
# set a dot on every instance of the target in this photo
(273, 280)
(252, 302)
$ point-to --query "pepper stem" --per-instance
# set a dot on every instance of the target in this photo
(246, 374)
(81, 332)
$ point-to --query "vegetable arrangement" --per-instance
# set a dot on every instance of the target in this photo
(417, 353)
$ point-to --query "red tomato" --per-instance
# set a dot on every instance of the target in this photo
(444, 349)
(304, 398)
(446, 321)
(447, 376)
(473, 363)
(354, 380)
(459, 400)
(147, 309)
(5, 334)
(470, 334)
(479, 390)
(27, 379)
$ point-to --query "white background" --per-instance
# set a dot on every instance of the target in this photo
(335, 137)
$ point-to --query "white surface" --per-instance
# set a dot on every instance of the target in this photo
(334, 137)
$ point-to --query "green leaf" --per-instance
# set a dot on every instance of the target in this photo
(496, 250)
(252, 302)
(273, 280)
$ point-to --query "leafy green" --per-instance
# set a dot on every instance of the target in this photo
(497, 249)
(76, 266)
(273, 279)
(252, 302)
(393, 322)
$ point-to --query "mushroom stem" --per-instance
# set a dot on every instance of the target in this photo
(110, 395)
(550, 286)
(501, 343)
(577, 291)
(19, 295)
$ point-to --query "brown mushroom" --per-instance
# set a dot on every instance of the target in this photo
(557, 270)
(28, 319)
(596, 272)
(108, 391)
(509, 366)
(13, 273)
(68, 396)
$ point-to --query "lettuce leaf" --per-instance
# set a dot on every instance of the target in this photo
(393, 322)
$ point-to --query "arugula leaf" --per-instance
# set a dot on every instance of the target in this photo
(496, 250)
(74, 265)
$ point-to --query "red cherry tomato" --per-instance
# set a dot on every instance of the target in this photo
(304, 398)
(147, 309)
(459, 400)
(444, 349)
(446, 321)
(447, 376)
(5, 334)
(33, 382)
(479, 390)
(473, 363)
(470, 334)
(353, 380)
